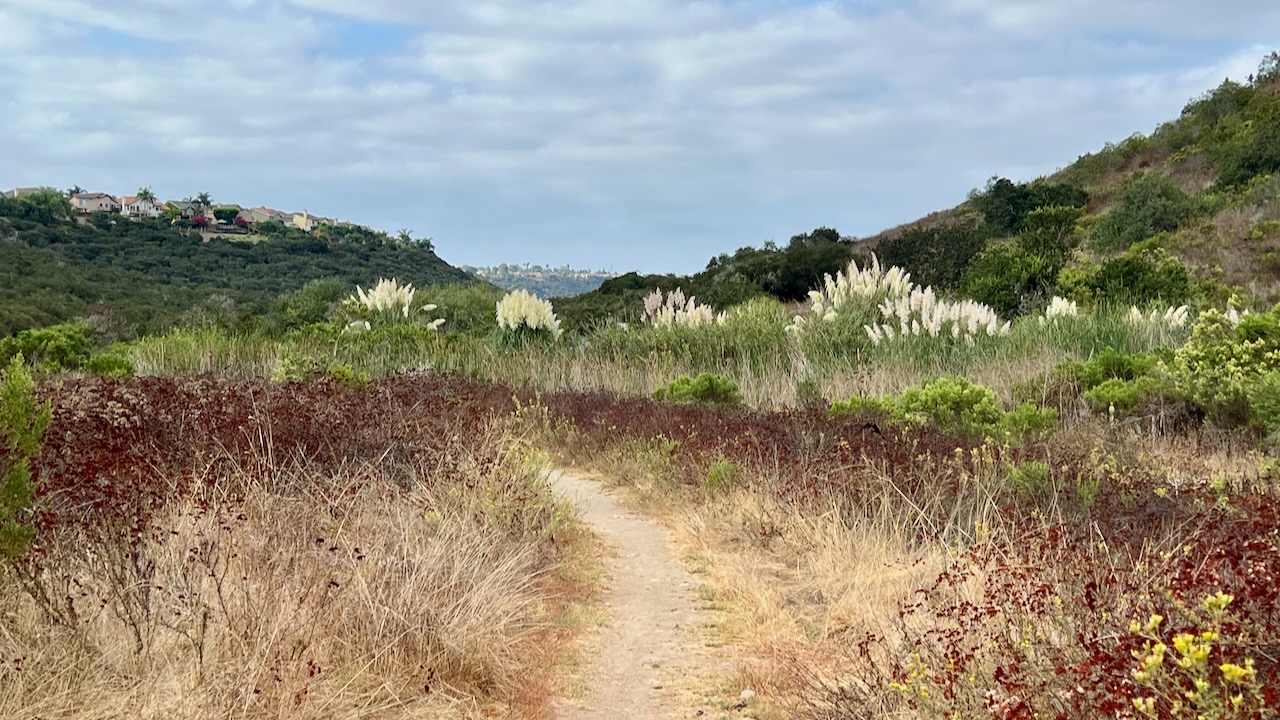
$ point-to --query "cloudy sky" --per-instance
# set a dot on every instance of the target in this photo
(617, 134)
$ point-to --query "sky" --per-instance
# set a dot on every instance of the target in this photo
(621, 135)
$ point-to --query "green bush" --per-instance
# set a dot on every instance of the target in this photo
(886, 406)
(23, 422)
(1265, 401)
(110, 364)
(311, 304)
(936, 256)
(1222, 367)
(722, 475)
(1149, 205)
(1143, 275)
(1006, 205)
(51, 348)
(955, 404)
(705, 389)
(1031, 478)
(1029, 420)
(348, 377)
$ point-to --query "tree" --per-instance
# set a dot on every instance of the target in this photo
(1150, 204)
(204, 201)
(74, 190)
(226, 215)
(144, 193)
(1005, 204)
(937, 256)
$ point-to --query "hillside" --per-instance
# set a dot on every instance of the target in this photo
(542, 281)
(1189, 212)
(143, 276)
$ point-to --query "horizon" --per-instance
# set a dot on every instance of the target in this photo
(647, 135)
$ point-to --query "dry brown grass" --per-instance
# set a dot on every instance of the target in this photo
(333, 597)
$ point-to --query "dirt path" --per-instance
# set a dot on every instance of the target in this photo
(652, 640)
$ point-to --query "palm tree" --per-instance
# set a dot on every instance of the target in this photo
(145, 193)
(74, 190)
(204, 201)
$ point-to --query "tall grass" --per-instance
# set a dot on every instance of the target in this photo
(751, 346)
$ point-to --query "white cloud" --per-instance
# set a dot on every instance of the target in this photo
(599, 132)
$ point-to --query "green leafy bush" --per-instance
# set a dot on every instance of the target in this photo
(936, 256)
(110, 364)
(705, 389)
(22, 425)
(955, 404)
(1150, 204)
(1006, 205)
(1223, 366)
(51, 348)
(1144, 274)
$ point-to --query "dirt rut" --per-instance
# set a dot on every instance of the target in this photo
(639, 663)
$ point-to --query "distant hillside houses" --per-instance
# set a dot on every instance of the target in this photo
(217, 215)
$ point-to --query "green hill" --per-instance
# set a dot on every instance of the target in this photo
(145, 276)
(542, 281)
(1189, 212)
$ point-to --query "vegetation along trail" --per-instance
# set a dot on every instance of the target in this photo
(650, 641)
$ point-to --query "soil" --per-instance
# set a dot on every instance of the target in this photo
(642, 664)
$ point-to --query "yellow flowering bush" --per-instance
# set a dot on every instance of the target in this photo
(1185, 680)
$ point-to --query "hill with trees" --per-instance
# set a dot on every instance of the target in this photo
(136, 276)
(1190, 212)
(542, 281)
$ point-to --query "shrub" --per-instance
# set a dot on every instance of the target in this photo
(954, 404)
(1031, 478)
(312, 303)
(705, 389)
(1006, 205)
(936, 256)
(110, 364)
(957, 405)
(722, 475)
(1144, 274)
(22, 425)
(1150, 204)
(1222, 366)
(51, 348)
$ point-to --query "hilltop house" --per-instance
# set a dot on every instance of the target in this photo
(85, 203)
(134, 206)
(186, 210)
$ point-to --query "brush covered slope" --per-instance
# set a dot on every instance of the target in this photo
(147, 275)
(1189, 212)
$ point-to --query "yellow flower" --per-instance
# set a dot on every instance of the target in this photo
(1233, 673)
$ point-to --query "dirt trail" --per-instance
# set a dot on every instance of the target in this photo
(652, 640)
